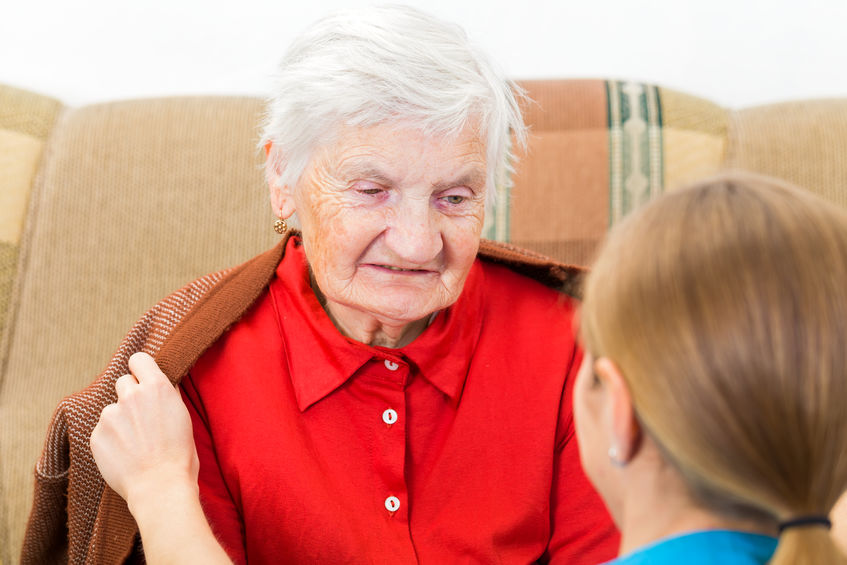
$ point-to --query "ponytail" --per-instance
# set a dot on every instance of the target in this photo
(810, 544)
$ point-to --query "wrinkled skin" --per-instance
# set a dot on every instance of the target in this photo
(391, 221)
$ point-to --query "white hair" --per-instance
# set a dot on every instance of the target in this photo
(364, 67)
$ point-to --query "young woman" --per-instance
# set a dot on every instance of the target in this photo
(710, 405)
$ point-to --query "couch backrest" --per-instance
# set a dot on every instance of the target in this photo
(130, 200)
(804, 142)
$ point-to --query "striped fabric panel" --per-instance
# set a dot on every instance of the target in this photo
(636, 168)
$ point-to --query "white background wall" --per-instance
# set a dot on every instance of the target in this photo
(735, 52)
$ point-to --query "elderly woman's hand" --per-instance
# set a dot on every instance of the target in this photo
(144, 441)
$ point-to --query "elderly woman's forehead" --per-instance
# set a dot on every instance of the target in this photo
(388, 140)
(403, 135)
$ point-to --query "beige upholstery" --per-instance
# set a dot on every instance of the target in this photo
(129, 200)
(803, 142)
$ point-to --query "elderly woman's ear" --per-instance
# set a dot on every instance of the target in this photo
(282, 197)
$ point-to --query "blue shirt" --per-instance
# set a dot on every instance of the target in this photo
(704, 548)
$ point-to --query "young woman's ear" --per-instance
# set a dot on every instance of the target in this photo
(626, 431)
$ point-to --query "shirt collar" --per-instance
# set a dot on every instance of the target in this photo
(320, 359)
(443, 352)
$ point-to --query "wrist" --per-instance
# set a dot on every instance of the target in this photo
(154, 498)
(172, 524)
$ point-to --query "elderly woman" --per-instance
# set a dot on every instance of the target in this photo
(378, 387)
(710, 406)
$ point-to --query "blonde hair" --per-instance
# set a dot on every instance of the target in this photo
(725, 307)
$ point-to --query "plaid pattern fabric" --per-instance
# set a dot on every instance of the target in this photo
(597, 150)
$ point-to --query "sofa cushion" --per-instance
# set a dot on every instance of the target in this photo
(25, 122)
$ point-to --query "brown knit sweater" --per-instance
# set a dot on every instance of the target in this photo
(75, 517)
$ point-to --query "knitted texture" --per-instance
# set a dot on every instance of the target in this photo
(80, 533)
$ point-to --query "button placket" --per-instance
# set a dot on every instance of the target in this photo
(395, 380)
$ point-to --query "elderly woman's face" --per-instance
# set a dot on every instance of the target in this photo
(391, 219)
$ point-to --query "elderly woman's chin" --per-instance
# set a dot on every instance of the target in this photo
(394, 297)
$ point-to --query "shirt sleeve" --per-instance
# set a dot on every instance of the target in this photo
(582, 532)
(215, 497)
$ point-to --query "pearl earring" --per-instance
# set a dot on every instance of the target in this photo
(613, 457)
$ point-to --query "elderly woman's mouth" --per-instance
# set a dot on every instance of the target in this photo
(397, 269)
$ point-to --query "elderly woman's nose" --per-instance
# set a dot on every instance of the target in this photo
(414, 237)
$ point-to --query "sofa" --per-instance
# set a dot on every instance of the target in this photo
(104, 209)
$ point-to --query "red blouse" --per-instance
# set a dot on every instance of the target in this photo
(458, 448)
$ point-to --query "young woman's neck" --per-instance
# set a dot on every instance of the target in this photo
(658, 505)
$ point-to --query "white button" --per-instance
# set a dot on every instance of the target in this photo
(391, 365)
(392, 504)
(389, 416)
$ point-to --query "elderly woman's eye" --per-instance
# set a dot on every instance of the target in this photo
(454, 198)
(367, 188)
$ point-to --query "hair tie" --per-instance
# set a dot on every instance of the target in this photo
(805, 521)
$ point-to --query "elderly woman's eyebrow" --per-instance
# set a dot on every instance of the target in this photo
(367, 171)
(472, 179)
